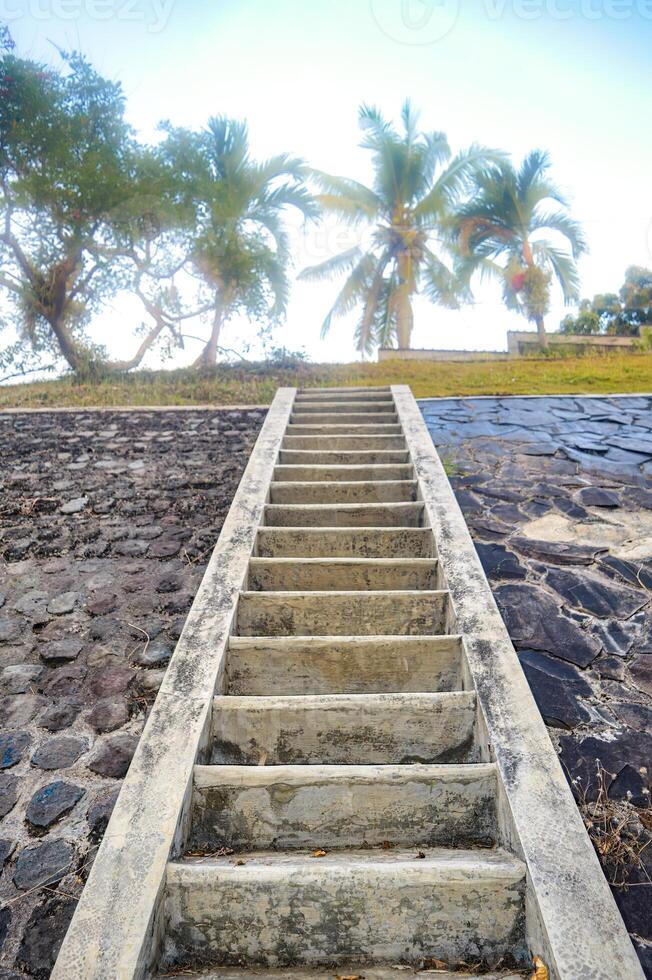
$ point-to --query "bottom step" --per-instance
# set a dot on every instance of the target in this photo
(399, 905)
(397, 972)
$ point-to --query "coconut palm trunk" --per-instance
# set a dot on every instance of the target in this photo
(404, 312)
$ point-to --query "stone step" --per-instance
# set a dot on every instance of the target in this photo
(343, 729)
(259, 665)
(370, 457)
(360, 971)
(321, 574)
(289, 807)
(386, 905)
(335, 405)
(341, 491)
(344, 474)
(401, 514)
(352, 389)
(348, 429)
(418, 613)
(349, 542)
(304, 397)
(343, 443)
(335, 418)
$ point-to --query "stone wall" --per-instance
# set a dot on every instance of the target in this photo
(107, 520)
(558, 498)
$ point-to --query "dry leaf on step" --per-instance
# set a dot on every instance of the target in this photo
(540, 970)
(320, 854)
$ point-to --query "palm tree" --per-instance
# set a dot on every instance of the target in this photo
(497, 233)
(416, 183)
(240, 250)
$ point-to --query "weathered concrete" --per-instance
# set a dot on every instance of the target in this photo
(343, 665)
(372, 542)
(326, 474)
(356, 492)
(343, 729)
(386, 905)
(272, 807)
(372, 457)
(416, 613)
(344, 515)
(306, 428)
(335, 418)
(328, 443)
(319, 574)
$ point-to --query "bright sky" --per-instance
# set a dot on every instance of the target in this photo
(570, 76)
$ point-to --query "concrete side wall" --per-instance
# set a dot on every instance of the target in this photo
(570, 909)
(407, 354)
(526, 341)
(519, 342)
(115, 930)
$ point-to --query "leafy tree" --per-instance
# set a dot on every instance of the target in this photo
(497, 234)
(417, 182)
(68, 165)
(624, 314)
(239, 252)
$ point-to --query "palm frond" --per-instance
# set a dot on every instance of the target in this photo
(565, 225)
(332, 267)
(563, 267)
(352, 292)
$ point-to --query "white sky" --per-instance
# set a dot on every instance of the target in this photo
(570, 76)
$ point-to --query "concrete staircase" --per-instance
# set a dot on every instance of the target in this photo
(347, 814)
(344, 772)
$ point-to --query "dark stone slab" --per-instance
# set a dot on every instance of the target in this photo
(43, 864)
(636, 716)
(641, 673)
(112, 757)
(12, 748)
(111, 680)
(59, 753)
(52, 802)
(579, 758)
(8, 793)
(535, 621)
(60, 715)
(637, 574)
(498, 562)
(592, 594)
(61, 651)
(598, 497)
(633, 444)
(99, 813)
(561, 553)
(556, 687)
(108, 714)
(43, 936)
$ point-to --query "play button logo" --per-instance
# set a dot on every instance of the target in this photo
(415, 22)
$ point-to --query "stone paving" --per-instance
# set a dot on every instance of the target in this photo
(558, 495)
(106, 523)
